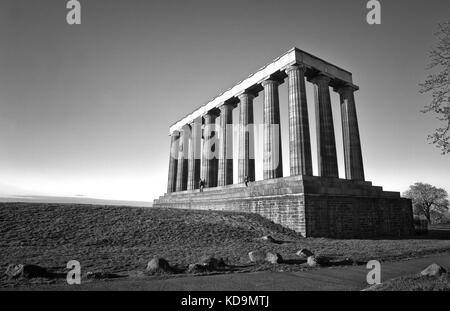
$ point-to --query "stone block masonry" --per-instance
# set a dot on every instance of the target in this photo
(313, 206)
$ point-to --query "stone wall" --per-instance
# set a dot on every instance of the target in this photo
(286, 210)
(358, 217)
(312, 206)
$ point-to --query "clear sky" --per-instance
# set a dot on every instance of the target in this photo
(85, 109)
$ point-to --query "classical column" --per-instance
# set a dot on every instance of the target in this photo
(246, 162)
(209, 160)
(299, 137)
(326, 143)
(173, 162)
(183, 154)
(194, 155)
(272, 155)
(225, 175)
(354, 168)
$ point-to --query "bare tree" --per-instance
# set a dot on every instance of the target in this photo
(438, 83)
(427, 199)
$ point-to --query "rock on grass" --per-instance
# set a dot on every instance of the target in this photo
(27, 271)
(197, 268)
(212, 263)
(159, 265)
(304, 253)
(15, 271)
(257, 256)
(312, 261)
(261, 256)
(274, 258)
(433, 270)
(268, 238)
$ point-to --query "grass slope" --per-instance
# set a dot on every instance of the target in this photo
(415, 283)
(122, 239)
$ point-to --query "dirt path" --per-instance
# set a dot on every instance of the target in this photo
(336, 278)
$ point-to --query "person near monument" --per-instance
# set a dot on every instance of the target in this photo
(201, 185)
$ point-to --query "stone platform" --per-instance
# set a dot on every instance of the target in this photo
(313, 206)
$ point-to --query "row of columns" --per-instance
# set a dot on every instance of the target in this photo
(186, 168)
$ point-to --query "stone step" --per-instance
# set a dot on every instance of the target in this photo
(278, 187)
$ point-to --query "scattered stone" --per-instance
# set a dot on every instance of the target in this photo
(304, 253)
(27, 271)
(14, 271)
(257, 256)
(207, 263)
(261, 256)
(212, 263)
(433, 270)
(159, 264)
(274, 258)
(312, 261)
(268, 238)
(196, 268)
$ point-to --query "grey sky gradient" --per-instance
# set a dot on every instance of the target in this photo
(86, 109)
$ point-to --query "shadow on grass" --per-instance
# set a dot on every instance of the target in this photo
(293, 261)
(323, 261)
(104, 276)
(284, 242)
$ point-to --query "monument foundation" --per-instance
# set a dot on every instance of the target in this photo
(313, 206)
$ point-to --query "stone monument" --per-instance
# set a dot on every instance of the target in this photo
(315, 206)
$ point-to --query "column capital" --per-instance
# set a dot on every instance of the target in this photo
(195, 121)
(226, 106)
(245, 94)
(301, 67)
(186, 127)
(175, 133)
(211, 113)
(270, 81)
(346, 88)
(185, 131)
(321, 78)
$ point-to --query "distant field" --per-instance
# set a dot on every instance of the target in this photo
(123, 239)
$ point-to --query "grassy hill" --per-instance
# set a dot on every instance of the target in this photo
(119, 238)
(124, 239)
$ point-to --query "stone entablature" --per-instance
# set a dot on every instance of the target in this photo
(277, 67)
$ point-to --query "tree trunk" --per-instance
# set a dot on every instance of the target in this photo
(428, 214)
